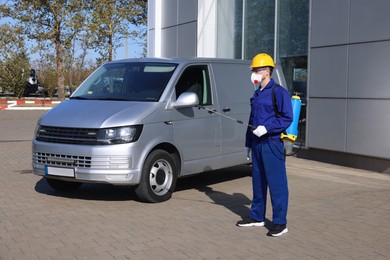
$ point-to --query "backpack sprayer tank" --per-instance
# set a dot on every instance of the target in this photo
(291, 132)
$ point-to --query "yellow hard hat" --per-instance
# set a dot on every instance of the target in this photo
(262, 60)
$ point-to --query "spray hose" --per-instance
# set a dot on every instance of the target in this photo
(213, 111)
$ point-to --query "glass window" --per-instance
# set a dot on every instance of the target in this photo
(293, 20)
(245, 28)
(229, 36)
(292, 50)
(195, 79)
(238, 13)
(259, 27)
(254, 32)
(131, 81)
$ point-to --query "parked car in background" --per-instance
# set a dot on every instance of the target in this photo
(67, 91)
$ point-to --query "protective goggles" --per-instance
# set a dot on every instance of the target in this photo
(257, 70)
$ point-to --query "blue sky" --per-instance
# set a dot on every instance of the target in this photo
(134, 49)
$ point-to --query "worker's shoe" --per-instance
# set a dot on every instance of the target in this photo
(249, 222)
(277, 230)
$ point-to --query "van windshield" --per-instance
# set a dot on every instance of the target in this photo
(136, 81)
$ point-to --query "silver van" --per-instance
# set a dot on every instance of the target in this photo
(145, 123)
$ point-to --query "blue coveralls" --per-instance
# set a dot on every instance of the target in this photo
(268, 161)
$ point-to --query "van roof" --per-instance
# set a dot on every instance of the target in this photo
(183, 60)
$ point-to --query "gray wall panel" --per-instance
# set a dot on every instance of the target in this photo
(175, 12)
(328, 72)
(327, 124)
(188, 11)
(169, 42)
(179, 28)
(187, 40)
(329, 22)
(368, 127)
(369, 70)
(169, 13)
(370, 20)
(351, 113)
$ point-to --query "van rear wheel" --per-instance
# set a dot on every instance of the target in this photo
(158, 178)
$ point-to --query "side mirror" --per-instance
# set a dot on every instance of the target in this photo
(187, 99)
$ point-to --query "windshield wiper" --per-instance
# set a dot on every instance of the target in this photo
(102, 98)
(99, 98)
(111, 98)
(80, 97)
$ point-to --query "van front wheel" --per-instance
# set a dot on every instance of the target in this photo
(158, 179)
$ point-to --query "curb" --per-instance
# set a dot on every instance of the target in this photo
(35, 104)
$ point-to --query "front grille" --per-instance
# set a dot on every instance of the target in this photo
(67, 135)
(62, 160)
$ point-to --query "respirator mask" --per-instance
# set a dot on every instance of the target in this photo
(256, 80)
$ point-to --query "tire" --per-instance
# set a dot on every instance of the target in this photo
(158, 178)
(63, 185)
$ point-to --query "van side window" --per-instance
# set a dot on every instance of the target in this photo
(195, 79)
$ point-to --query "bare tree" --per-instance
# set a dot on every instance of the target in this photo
(110, 22)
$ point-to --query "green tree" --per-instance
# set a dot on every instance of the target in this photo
(53, 24)
(46, 71)
(14, 61)
(47, 76)
(14, 73)
(109, 23)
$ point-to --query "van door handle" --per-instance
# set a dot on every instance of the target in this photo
(226, 109)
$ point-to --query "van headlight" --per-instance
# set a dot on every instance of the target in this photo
(119, 135)
(37, 129)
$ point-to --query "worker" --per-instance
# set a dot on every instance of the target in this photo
(268, 119)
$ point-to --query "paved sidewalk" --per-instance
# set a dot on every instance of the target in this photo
(335, 213)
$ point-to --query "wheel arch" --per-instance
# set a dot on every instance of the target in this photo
(172, 150)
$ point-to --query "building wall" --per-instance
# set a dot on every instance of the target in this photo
(172, 28)
(349, 77)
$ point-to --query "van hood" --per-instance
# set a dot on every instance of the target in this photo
(98, 113)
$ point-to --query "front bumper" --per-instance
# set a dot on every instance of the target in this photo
(113, 164)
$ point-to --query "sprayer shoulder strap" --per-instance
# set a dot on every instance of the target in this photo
(275, 107)
(274, 102)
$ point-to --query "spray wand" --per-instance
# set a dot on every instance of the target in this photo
(213, 111)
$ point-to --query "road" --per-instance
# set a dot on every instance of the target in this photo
(334, 213)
